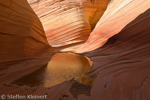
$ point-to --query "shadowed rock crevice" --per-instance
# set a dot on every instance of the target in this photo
(79, 88)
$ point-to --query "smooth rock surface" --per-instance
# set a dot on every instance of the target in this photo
(68, 22)
(23, 44)
(121, 67)
(121, 63)
(118, 14)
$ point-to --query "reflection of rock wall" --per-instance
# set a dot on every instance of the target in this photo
(68, 21)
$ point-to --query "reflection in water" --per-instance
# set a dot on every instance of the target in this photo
(62, 67)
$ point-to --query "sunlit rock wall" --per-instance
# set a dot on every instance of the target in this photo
(68, 22)
(120, 65)
(118, 14)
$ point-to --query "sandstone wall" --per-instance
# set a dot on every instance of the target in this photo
(68, 22)
(118, 46)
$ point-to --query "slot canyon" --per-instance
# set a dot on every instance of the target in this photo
(75, 49)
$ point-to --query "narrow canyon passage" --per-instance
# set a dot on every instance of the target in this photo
(32, 32)
(62, 67)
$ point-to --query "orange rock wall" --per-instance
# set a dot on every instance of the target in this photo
(21, 32)
(120, 67)
(24, 47)
(116, 17)
(68, 22)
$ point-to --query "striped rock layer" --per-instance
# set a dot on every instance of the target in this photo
(24, 47)
(118, 46)
(68, 22)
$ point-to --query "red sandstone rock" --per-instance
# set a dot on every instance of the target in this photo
(24, 47)
(68, 22)
(121, 67)
(21, 33)
(116, 17)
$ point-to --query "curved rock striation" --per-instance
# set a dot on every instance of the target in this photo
(68, 22)
(121, 67)
(116, 17)
(118, 46)
(21, 32)
(24, 47)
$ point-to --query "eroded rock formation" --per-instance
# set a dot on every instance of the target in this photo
(121, 66)
(62, 67)
(24, 47)
(120, 63)
(68, 22)
(116, 17)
